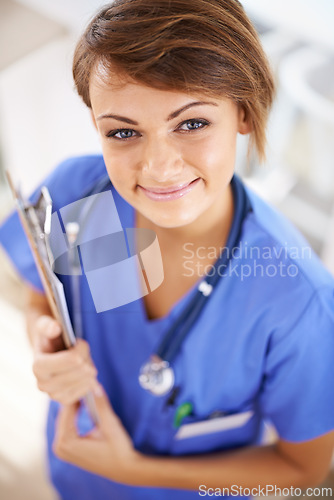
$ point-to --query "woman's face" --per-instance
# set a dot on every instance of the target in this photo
(169, 154)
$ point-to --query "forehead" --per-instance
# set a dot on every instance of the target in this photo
(114, 90)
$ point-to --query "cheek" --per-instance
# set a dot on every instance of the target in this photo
(215, 153)
(119, 164)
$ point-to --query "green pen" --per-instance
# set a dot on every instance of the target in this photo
(184, 410)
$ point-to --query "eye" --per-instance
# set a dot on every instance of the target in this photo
(192, 125)
(122, 134)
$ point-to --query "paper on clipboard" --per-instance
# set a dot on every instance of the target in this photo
(36, 222)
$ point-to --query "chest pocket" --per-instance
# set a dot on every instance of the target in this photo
(216, 432)
(198, 434)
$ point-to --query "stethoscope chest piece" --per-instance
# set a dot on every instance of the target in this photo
(156, 376)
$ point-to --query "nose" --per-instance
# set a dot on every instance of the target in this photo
(161, 161)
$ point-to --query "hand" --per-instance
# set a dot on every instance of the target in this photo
(65, 375)
(107, 450)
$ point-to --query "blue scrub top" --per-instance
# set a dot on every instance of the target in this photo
(262, 350)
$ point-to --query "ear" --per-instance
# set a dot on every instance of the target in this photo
(93, 118)
(244, 126)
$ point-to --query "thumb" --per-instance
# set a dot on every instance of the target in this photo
(106, 416)
(65, 431)
(48, 335)
(48, 327)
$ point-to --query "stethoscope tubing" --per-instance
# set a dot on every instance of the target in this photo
(177, 333)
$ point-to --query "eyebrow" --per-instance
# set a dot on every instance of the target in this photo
(119, 118)
(187, 106)
(170, 117)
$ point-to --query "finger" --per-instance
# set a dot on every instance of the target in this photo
(48, 336)
(47, 326)
(66, 431)
(48, 364)
(66, 427)
(68, 444)
(106, 416)
(82, 349)
(68, 378)
(95, 434)
(75, 393)
(69, 386)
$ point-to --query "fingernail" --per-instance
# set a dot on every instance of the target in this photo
(98, 391)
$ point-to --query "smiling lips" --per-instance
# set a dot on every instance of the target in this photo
(170, 193)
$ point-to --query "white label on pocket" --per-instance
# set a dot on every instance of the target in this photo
(213, 425)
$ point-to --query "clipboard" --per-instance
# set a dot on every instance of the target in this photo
(36, 222)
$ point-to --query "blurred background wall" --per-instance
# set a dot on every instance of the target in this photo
(42, 121)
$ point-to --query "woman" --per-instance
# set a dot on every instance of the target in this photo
(170, 85)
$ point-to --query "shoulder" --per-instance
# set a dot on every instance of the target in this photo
(276, 276)
(81, 166)
(275, 240)
(74, 178)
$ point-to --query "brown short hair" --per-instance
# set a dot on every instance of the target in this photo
(193, 46)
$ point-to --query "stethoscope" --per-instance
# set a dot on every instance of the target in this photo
(157, 374)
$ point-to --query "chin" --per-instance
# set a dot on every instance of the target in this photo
(173, 222)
